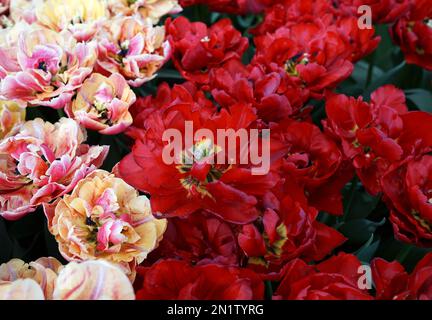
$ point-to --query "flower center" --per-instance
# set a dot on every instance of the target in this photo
(291, 64)
(106, 226)
(102, 112)
(5, 22)
(197, 164)
(42, 66)
(77, 20)
(101, 100)
(301, 160)
(425, 224)
(124, 48)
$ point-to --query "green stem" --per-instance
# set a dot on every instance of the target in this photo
(403, 254)
(121, 144)
(370, 70)
(351, 194)
(268, 290)
(61, 113)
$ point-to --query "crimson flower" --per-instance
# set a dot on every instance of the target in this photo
(406, 184)
(198, 48)
(413, 33)
(177, 280)
(231, 6)
(199, 239)
(334, 279)
(302, 50)
(359, 41)
(229, 190)
(312, 159)
(383, 11)
(286, 231)
(272, 94)
(289, 12)
(392, 282)
(368, 132)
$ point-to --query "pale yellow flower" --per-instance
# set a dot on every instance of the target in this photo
(11, 116)
(102, 103)
(93, 280)
(152, 9)
(80, 17)
(43, 271)
(105, 218)
(23, 10)
(21, 289)
(48, 279)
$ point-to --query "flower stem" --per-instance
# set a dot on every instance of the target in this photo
(351, 194)
(370, 70)
(61, 113)
(403, 254)
(268, 290)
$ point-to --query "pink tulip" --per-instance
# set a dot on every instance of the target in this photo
(42, 162)
(103, 103)
(134, 48)
(51, 66)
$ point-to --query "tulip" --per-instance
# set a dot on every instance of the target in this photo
(102, 104)
(42, 162)
(105, 218)
(11, 116)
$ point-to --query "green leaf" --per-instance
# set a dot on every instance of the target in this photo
(348, 194)
(169, 74)
(383, 54)
(214, 16)
(268, 290)
(404, 253)
(367, 251)
(360, 72)
(386, 78)
(421, 98)
(362, 205)
(245, 22)
(358, 231)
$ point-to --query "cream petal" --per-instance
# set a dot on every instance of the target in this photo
(22, 289)
(93, 280)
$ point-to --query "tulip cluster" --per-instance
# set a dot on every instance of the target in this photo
(48, 279)
(82, 56)
(214, 223)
